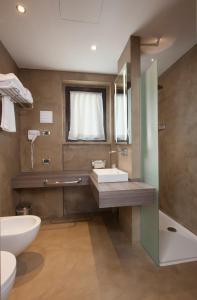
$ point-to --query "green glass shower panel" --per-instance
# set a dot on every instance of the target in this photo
(149, 159)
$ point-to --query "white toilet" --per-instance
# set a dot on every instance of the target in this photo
(8, 273)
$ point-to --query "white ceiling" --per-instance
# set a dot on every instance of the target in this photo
(57, 34)
(89, 12)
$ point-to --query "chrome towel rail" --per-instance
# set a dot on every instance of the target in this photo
(15, 97)
(47, 182)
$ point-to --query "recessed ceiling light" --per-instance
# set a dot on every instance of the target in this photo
(152, 59)
(93, 47)
(20, 8)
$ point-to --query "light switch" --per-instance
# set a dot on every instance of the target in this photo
(46, 116)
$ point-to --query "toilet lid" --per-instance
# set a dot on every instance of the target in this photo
(8, 266)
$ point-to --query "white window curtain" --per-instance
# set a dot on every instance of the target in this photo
(121, 117)
(86, 116)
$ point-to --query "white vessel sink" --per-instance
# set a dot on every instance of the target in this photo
(110, 175)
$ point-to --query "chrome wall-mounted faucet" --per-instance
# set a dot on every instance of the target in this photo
(123, 151)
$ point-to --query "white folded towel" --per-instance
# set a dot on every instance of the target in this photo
(10, 81)
(8, 122)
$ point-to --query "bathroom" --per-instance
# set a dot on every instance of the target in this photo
(138, 240)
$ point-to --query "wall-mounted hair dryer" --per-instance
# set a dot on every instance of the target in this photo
(32, 135)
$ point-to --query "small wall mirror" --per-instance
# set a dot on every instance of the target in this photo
(122, 107)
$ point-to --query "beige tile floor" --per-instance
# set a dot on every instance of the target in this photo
(93, 261)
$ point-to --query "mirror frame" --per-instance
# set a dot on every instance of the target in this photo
(123, 79)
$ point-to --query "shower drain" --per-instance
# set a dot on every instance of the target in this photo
(171, 229)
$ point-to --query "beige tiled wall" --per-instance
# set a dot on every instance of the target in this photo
(47, 88)
(125, 213)
(178, 142)
(79, 157)
(124, 162)
(129, 217)
(9, 147)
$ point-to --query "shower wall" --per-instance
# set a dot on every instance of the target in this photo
(178, 142)
(9, 146)
(129, 217)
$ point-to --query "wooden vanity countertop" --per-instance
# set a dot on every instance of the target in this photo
(115, 194)
(26, 180)
(118, 194)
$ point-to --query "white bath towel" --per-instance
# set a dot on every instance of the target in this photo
(8, 122)
(12, 83)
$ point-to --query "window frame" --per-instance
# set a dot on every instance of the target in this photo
(77, 88)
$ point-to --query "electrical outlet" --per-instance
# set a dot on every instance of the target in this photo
(46, 161)
(45, 132)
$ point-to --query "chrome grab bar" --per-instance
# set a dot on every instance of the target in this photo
(46, 182)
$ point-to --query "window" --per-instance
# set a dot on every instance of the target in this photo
(85, 114)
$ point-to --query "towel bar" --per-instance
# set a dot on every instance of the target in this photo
(15, 97)
(46, 182)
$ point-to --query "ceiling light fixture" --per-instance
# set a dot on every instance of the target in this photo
(20, 8)
(93, 47)
(152, 59)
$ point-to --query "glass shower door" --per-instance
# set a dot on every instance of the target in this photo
(149, 159)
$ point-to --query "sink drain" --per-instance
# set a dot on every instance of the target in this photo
(171, 229)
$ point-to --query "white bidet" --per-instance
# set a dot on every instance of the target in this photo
(18, 232)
